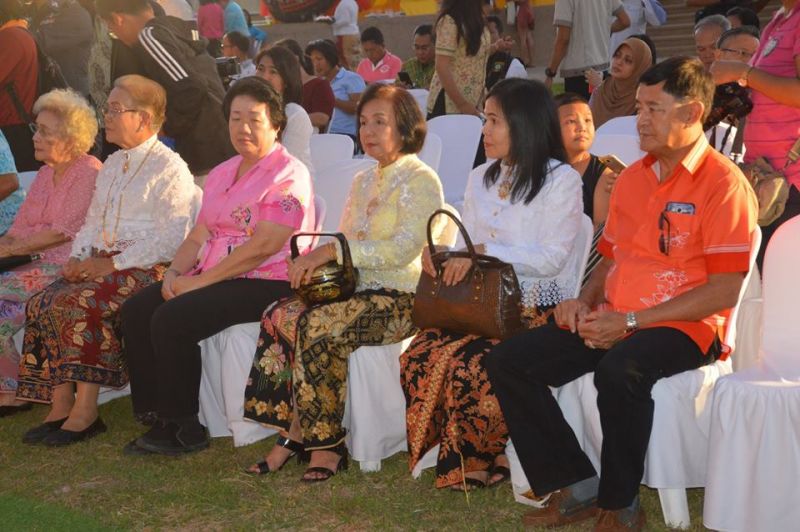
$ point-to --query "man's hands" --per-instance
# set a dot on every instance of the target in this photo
(600, 329)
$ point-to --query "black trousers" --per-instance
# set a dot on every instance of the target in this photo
(578, 85)
(160, 338)
(521, 369)
(792, 210)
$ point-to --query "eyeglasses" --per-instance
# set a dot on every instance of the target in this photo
(744, 54)
(41, 130)
(666, 229)
(116, 112)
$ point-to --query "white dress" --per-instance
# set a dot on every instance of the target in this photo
(296, 137)
(537, 239)
(144, 213)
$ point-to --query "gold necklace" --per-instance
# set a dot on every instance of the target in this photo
(110, 242)
(504, 188)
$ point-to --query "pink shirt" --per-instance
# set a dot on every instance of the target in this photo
(771, 127)
(60, 207)
(387, 68)
(277, 189)
(211, 21)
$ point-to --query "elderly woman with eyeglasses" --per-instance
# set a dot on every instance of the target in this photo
(47, 221)
(139, 214)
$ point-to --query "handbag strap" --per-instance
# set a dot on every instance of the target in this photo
(347, 260)
(461, 229)
(793, 155)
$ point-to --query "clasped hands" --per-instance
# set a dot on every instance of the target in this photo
(173, 284)
(302, 268)
(76, 270)
(599, 329)
(454, 269)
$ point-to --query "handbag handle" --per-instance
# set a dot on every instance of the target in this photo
(347, 260)
(467, 240)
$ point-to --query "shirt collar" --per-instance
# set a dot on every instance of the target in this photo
(142, 148)
(691, 162)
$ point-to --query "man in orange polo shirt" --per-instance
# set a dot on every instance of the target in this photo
(675, 252)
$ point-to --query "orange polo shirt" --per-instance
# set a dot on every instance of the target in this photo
(711, 211)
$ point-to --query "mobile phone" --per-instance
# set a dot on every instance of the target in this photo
(680, 207)
(613, 162)
(405, 78)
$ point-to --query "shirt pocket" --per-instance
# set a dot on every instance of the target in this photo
(684, 236)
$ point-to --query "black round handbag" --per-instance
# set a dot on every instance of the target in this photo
(332, 281)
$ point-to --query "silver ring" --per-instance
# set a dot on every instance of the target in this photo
(589, 344)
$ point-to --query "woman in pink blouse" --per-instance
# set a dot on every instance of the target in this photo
(47, 221)
(252, 204)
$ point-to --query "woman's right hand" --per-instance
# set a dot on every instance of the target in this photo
(593, 77)
(71, 270)
(167, 290)
(427, 262)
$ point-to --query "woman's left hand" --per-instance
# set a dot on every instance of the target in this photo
(186, 283)
(96, 267)
(593, 77)
(302, 268)
(727, 71)
(455, 270)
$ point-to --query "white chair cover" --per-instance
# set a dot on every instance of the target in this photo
(333, 183)
(26, 180)
(678, 450)
(754, 442)
(431, 153)
(625, 147)
(329, 149)
(723, 143)
(460, 135)
(622, 125)
(421, 97)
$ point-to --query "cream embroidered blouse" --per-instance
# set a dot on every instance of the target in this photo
(385, 222)
(148, 209)
(537, 238)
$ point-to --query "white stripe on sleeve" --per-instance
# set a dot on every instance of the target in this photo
(161, 56)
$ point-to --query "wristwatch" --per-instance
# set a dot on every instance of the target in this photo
(549, 73)
(630, 322)
(742, 81)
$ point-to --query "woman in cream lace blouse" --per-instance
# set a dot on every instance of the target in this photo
(139, 214)
(385, 223)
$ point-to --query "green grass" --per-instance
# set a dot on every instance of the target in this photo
(93, 486)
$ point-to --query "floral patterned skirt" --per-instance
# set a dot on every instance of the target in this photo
(72, 333)
(450, 402)
(301, 359)
(16, 287)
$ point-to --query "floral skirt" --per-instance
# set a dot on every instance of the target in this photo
(72, 333)
(301, 359)
(450, 402)
(16, 287)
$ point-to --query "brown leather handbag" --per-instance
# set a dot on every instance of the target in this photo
(330, 282)
(485, 303)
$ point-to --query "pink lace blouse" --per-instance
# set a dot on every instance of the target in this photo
(60, 207)
(278, 189)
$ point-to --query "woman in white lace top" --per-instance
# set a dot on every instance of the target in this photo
(524, 208)
(139, 214)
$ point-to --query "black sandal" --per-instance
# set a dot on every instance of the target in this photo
(341, 450)
(468, 484)
(503, 471)
(296, 449)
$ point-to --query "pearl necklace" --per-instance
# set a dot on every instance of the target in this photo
(109, 242)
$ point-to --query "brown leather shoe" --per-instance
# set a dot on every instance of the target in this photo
(611, 521)
(553, 515)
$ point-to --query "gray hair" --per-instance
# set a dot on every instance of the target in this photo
(78, 120)
(713, 20)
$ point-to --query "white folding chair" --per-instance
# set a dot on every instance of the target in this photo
(330, 149)
(421, 96)
(622, 125)
(678, 450)
(26, 180)
(431, 153)
(724, 135)
(625, 147)
(333, 183)
(460, 135)
(754, 441)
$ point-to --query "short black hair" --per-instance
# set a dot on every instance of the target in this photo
(130, 7)
(372, 34)
(294, 47)
(239, 40)
(326, 48)
(752, 31)
(410, 123)
(424, 29)
(684, 78)
(497, 22)
(650, 44)
(288, 68)
(261, 91)
(746, 15)
(568, 98)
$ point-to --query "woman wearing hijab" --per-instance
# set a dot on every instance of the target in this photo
(616, 95)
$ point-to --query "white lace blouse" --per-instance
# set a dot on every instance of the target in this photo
(143, 213)
(296, 137)
(537, 238)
